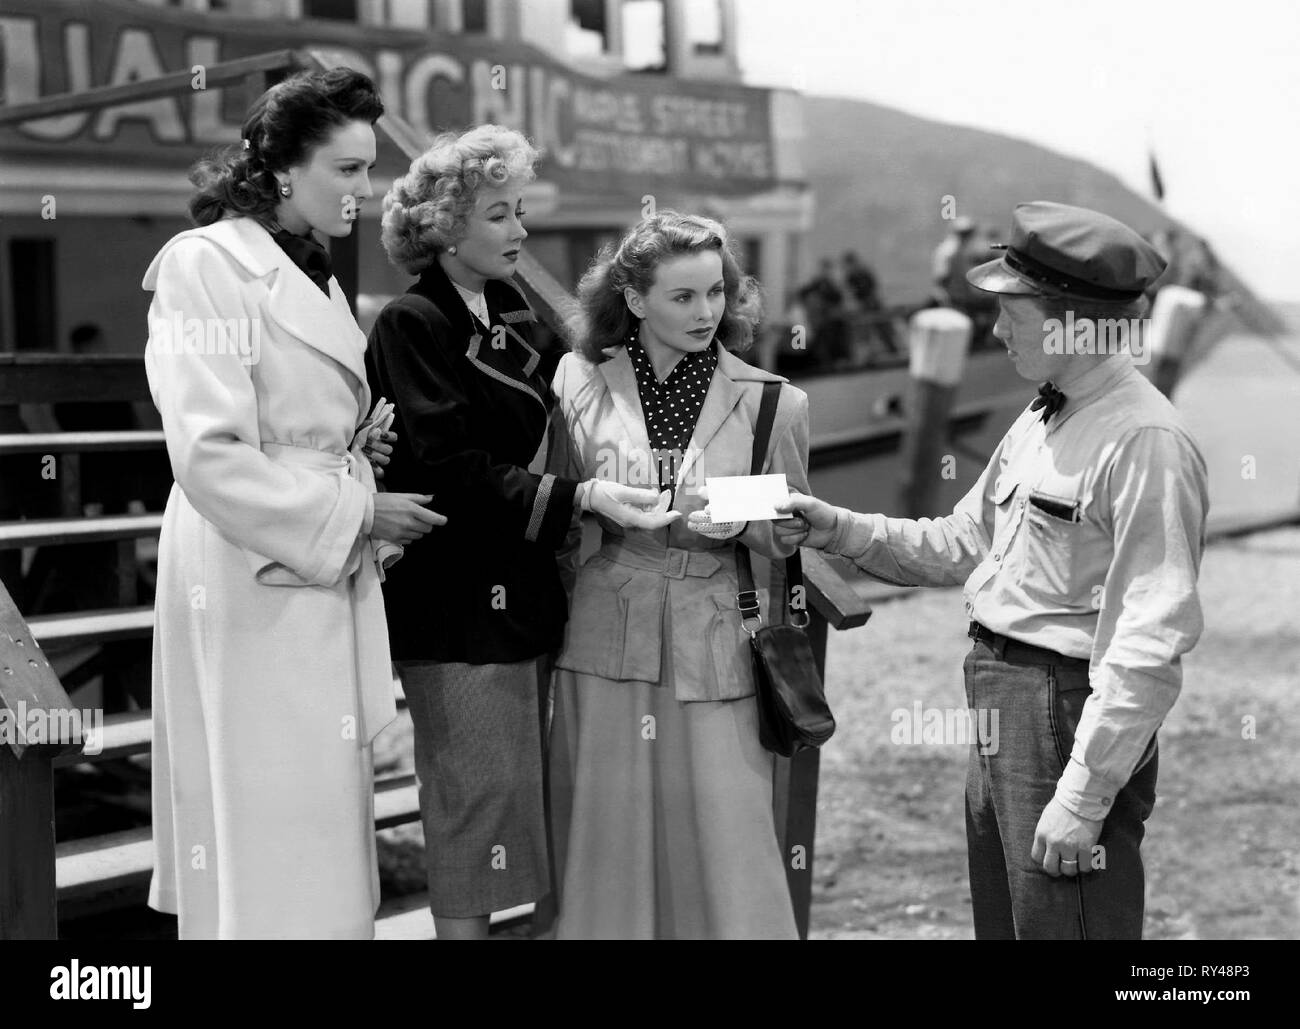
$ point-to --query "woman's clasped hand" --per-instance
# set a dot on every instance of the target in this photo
(402, 518)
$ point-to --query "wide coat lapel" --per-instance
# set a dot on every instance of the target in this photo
(295, 304)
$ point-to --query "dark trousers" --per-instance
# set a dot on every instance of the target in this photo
(1008, 786)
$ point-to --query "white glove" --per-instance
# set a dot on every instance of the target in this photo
(628, 506)
(700, 522)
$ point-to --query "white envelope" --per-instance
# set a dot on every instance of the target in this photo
(746, 498)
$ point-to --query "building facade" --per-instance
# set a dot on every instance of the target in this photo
(634, 102)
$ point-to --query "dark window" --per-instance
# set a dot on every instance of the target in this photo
(590, 15)
(31, 263)
(332, 10)
(474, 15)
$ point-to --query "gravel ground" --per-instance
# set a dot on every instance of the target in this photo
(1222, 848)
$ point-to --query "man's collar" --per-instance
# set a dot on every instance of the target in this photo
(1092, 384)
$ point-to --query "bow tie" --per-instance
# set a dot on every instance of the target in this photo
(307, 254)
(1049, 398)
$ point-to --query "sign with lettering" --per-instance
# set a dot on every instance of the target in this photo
(622, 136)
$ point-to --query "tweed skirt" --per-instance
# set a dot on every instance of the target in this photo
(478, 760)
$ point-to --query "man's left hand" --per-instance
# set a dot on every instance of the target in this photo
(1063, 841)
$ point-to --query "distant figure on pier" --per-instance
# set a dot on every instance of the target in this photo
(862, 286)
(965, 247)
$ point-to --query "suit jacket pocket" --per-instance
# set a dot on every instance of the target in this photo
(729, 649)
(596, 636)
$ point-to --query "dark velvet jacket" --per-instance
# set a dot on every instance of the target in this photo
(471, 413)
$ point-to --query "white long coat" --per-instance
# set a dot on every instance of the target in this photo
(271, 672)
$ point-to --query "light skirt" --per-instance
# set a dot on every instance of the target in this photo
(662, 816)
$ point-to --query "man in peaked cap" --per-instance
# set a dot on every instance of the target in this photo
(1079, 548)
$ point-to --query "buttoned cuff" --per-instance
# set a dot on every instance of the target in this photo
(1084, 793)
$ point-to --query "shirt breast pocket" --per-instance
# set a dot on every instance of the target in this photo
(1054, 545)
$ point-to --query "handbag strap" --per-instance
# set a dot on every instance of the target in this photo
(747, 597)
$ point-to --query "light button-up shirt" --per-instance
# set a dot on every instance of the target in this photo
(1083, 535)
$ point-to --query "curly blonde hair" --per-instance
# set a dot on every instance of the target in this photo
(603, 319)
(426, 210)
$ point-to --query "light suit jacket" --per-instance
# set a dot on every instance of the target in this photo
(670, 595)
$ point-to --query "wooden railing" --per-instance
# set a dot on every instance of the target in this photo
(36, 871)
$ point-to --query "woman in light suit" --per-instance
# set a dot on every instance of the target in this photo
(271, 670)
(661, 792)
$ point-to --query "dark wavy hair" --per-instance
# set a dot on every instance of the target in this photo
(282, 128)
(603, 319)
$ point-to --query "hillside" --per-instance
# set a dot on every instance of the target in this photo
(880, 175)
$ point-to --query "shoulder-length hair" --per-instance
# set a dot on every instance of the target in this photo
(427, 209)
(282, 128)
(603, 318)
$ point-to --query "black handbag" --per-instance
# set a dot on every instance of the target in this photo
(792, 711)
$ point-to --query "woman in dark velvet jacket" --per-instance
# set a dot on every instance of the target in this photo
(474, 614)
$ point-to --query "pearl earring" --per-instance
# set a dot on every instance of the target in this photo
(451, 249)
(286, 190)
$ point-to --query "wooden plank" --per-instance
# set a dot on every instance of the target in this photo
(130, 92)
(794, 805)
(397, 801)
(27, 895)
(830, 596)
(40, 532)
(27, 682)
(81, 442)
(92, 627)
(550, 301)
(98, 864)
(122, 734)
(55, 378)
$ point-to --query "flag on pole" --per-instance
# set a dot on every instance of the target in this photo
(1157, 183)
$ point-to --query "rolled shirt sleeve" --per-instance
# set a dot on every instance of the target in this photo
(1150, 613)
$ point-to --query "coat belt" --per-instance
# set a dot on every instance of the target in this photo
(376, 706)
(670, 562)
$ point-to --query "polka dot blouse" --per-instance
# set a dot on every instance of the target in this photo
(672, 407)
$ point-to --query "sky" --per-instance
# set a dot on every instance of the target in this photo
(1212, 88)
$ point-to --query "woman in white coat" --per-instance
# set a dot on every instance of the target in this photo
(271, 671)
